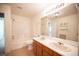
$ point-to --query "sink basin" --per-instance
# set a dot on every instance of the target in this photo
(42, 38)
(60, 46)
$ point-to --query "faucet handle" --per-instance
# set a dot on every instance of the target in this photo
(60, 43)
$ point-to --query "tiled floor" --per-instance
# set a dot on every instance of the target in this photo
(21, 52)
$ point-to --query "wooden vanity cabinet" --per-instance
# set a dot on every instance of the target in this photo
(37, 48)
(41, 50)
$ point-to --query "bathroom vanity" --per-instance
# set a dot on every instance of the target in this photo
(41, 50)
(53, 47)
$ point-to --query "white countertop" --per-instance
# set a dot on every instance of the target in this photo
(70, 44)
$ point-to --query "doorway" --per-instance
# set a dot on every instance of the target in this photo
(1, 34)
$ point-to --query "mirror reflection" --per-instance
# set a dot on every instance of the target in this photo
(61, 24)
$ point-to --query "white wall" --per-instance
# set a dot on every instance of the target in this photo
(44, 26)
(36, 24)
(78, 29)
(78, 33)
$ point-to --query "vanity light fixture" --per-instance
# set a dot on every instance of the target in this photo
(57, 14)
(19, 7)
(56, 9)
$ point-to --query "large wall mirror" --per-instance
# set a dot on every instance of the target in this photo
(63, 24)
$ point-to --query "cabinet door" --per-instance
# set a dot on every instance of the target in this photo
(39, 50)
(34, 48)
(46, 53)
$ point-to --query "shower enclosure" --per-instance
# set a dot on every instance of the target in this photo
(1, 34)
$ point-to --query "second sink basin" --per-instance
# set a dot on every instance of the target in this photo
(60, 46)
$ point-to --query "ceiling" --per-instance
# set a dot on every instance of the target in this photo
(32, 9)
(28, 9)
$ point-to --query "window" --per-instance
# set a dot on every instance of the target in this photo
(49, 29)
